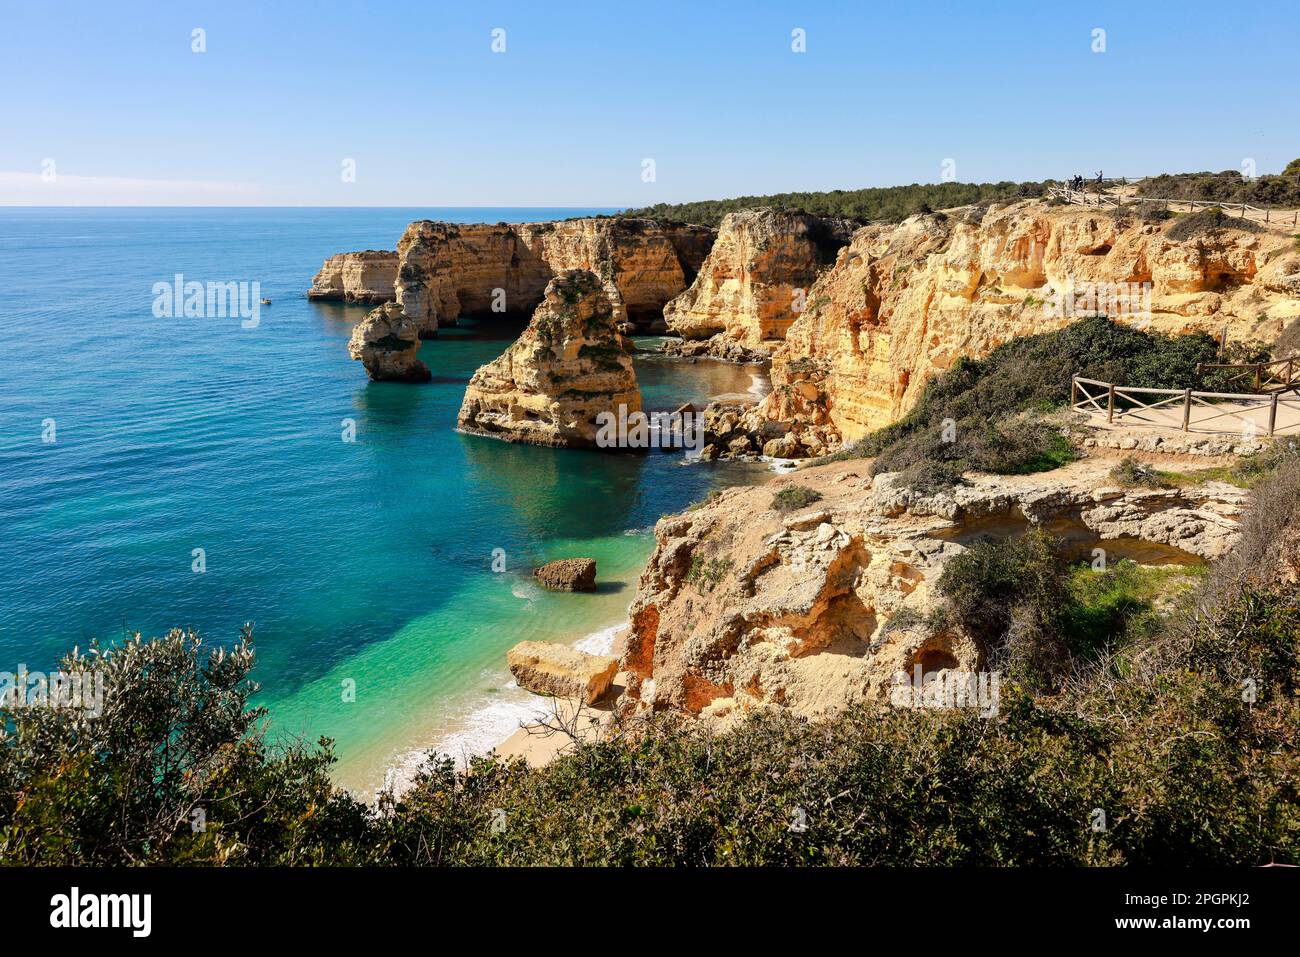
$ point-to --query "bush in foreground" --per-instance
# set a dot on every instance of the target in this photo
(1184, 769)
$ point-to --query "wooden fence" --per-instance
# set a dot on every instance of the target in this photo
(1271, 217)
(1186, 408)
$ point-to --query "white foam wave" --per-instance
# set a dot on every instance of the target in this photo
(492, 718)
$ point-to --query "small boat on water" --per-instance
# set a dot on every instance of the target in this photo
(266, 302)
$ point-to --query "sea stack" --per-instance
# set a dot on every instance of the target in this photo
(387, 343)
(566, 368)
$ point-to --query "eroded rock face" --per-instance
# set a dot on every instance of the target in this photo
(742, 607)
(447, 269)
(547, 668)
(566, 368)
(756, 279)
(902, 303)
(387, 343)
(365, 277)
(568, 574)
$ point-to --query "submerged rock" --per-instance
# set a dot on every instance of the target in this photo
(566, 368)
(547, 668)
(387, 343)
(568, 574)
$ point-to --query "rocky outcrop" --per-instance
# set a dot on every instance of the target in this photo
(902, 303)
(742, 606)
(547, 668)
(387, 343)
(756, 280)
(365, 277)
(566, 368)
(740, 430)
(447, 269)
(568, 574)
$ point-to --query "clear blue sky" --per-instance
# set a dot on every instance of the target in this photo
(286, 91)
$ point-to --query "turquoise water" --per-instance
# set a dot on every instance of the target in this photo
(368, 561)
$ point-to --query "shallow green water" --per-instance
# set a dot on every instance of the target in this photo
(369, 561)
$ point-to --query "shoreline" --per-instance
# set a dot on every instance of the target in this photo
(505, 721)
(503, 726)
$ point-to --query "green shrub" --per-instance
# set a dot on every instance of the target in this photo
(1226, 187)
(1206, 221)
(1117, 606)
(177, 743)
(1186, 769)
(1008, 595)
(881, 204)
(794, 496)
(1130, 473)
(983, 413)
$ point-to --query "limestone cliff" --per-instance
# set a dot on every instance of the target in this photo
(364, 277)
(446, 270)
(567, 367)
(387, 343)
(742, 607)
(756, 279)
(904, 302)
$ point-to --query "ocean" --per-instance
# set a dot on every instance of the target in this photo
(129, 441)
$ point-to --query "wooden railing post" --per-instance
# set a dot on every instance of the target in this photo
(1187, 410)
(1074, 391)
(1290, 363)
(1110, 403)
(1258, 367)
(1272, 414)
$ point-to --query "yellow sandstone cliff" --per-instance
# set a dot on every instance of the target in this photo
(903, 303)
(446, 269)
(756, 280)
(363, 277)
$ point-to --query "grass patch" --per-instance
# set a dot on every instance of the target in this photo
(707, 574)
(1121, 604)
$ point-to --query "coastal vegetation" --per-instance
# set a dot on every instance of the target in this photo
(881, 204)
(794, 496)
(1229, 186)
(1168, 762)
(994, 414)
(891, 204)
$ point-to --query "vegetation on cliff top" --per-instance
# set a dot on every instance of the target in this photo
(881, 204)
(1184, 767)
(1230, 186)
(987, 414)
(891, 204)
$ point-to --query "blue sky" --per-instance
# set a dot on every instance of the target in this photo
(585, 92)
